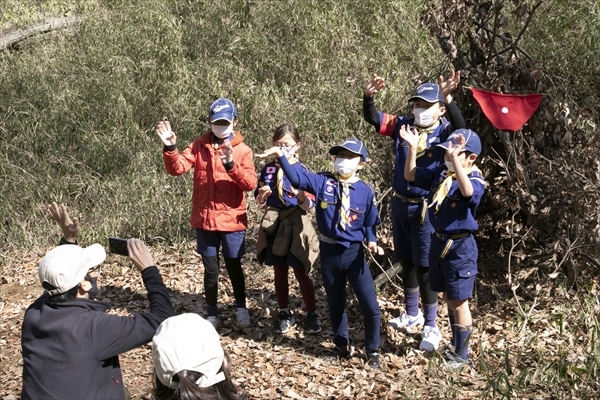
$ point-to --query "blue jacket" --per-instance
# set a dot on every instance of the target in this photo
(268, 177)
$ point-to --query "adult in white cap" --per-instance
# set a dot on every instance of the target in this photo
(70, 345)
(190, 362)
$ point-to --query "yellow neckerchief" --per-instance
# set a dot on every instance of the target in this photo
(345, 205)
(442, 190)
(423, 134)
(291, 160)
(345, 199)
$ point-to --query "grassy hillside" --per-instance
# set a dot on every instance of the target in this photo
(79, 107)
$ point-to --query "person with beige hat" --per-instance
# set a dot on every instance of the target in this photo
(70, 344)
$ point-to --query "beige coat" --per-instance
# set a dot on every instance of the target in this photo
(294, 233)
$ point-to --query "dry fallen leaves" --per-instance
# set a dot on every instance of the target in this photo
(269, 366)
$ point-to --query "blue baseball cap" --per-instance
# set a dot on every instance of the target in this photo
(222, 109)
(430, 92)
(352, 145)
(472, 145)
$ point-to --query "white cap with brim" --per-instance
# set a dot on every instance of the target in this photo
(188, 342)
(64, 267)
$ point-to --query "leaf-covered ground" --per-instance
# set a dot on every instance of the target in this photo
(270, 366)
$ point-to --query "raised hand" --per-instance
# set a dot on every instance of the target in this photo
(139, 254)
(374, 85)
(226, 152)
(409, 135)
(447, 86)
(275, 150)
(263, 193)
(164, 132)
(455, 147)
(69, 227)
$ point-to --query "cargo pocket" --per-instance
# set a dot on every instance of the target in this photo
(469, 271)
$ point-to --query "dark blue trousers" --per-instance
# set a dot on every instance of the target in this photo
(338, 265)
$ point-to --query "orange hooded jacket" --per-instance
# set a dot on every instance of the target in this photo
(218, 200)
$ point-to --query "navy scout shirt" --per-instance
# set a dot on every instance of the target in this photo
(268, 177)
(456, 213)
(433, 157)
(364, 216)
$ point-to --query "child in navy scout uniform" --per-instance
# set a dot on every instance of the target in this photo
(286, 237)
(346, 215)
(410, 223)
(455, 189)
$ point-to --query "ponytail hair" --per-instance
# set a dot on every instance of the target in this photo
(188, 390)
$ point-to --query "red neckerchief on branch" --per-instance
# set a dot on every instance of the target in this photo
(507, 112)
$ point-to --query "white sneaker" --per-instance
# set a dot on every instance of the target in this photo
(431, 338)
(242, 316)
(405, 320)
(213, 320)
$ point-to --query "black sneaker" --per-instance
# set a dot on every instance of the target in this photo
(283, 323)
(313, 323)
(338, 353)
(373, 358)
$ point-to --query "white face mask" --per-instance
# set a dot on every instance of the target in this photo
(288, 152)
(346, 167)
(222, 131)
(423, 116)
(449, 165)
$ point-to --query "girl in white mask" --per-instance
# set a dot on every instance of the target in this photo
(286, 207)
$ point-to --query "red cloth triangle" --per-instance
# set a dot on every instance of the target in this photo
(507, 112)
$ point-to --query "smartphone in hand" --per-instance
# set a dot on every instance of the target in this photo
(118, 246)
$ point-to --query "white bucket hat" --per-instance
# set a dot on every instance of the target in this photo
(189, 342)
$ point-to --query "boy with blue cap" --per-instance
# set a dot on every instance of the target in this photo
(346, 215)
(455, 190)
(410, 224)
(223, 170)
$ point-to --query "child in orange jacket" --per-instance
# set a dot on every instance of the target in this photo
(223, 171)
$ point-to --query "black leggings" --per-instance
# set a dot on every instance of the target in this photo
(211, 279)
(416, 276)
